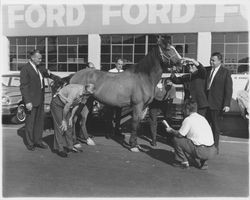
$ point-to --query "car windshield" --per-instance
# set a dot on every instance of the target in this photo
(5, 81)
(15, 81)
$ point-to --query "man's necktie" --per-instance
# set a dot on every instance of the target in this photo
(40, 78)
(37, 71)
(210, 79)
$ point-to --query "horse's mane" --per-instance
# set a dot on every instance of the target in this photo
(145, 64)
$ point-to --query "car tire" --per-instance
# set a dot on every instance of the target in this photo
(20, 115)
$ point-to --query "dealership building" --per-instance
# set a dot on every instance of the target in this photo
(69, 36)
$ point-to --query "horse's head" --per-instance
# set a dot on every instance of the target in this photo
(167, 51)
(89, 88)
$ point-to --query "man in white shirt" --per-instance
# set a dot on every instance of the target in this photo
(118, 66)
(195, 138)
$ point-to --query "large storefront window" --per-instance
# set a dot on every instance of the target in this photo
(234, 48)
(60, 53)
(20, 48)
(133, 48)
(67, 53)
(128, 47)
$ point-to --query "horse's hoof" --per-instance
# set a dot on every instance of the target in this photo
(107, 136)
(153, 143)
(135, 149)
(119, 135)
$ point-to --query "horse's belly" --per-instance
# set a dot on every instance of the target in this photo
(113, 98)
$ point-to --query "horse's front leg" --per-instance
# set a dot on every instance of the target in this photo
(137, 115)
(83, 131)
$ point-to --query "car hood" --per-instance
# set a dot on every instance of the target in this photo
(11, 91)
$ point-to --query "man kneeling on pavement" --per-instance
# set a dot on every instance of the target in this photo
(194, 141)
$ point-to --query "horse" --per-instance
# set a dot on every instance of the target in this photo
(134, 87)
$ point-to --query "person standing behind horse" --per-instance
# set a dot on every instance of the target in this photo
(164, 95)
(196, 84)
(118, 66)
(90, 65)
(66, 99)
(32, 89)
(219, 93)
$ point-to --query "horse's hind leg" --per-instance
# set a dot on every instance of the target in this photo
(137, 114)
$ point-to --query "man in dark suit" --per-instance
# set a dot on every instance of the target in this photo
(32, 90)
(195, 80)
(219, 93)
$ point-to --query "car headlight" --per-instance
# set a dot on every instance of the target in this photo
(5, 100)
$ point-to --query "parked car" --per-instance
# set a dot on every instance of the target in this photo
(12, 103)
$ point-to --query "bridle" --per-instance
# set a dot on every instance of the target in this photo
(166, 56)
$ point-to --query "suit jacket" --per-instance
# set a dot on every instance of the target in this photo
(220, 93)
(30, 84)
(196, 85)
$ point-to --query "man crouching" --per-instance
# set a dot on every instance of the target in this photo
(195, 138)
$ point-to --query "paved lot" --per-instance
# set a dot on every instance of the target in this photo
(110, 170)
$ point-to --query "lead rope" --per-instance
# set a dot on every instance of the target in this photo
(50, 90)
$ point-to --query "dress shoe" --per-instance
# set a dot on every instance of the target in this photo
(73, 150)
(62, 154)
(182, 165)
(42, 145)
(204, 165)
(30, 147)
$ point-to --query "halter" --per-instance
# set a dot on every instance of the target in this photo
(168, 57)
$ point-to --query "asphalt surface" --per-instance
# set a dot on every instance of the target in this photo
(111, 170)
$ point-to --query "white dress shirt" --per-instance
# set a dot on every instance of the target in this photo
(214, 71)
(38, 72)
(196, 128)
(115, 70)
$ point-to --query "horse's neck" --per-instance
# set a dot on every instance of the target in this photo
(155, 77)
(155, 67)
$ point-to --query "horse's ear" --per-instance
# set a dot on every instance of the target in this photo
(167, 39)
(158, 38)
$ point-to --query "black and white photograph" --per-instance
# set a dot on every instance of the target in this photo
(125, 99)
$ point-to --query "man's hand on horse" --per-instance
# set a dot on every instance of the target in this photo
(70, 121)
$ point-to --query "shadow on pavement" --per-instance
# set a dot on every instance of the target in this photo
(21, 133)
(234, 126)
(49, 139)
(162, 155)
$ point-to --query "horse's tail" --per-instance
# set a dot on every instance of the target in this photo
(67, 78)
